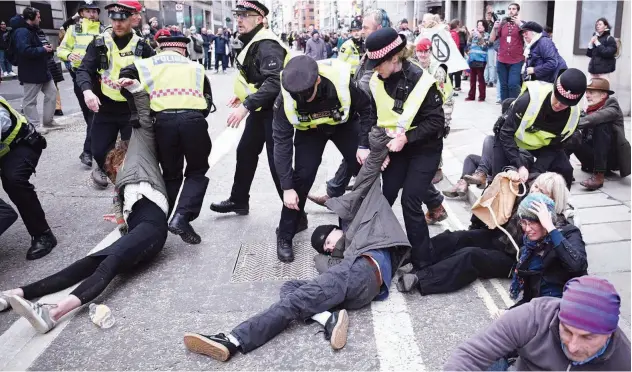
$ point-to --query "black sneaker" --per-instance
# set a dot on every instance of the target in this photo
(228, 206)
(302, 223)
(407, 282)
(336, 329)
(285, 253)
(41, 245)
(59, 113)
(180, 225)
(86, 159)
(216, 346)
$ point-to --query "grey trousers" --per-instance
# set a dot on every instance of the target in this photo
(352, 284)
(29, 102)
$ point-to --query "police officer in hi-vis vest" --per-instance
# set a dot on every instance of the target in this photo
(408, 105)
(72, 49)
(178, 91)
(353, 49)
(318, 102)
(543, 116)
(20, 150)
(105, 56)
(256, 87)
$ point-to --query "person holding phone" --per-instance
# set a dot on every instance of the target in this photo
(510, 52)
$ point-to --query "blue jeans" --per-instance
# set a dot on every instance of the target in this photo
(509, 79)
(5, 65)
(490, 67)
(207, 58)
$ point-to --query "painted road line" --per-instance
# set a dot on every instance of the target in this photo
(502, 291)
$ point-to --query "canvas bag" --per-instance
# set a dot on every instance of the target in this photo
(496, 204)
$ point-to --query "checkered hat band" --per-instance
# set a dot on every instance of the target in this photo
(384, 51)
(110, 83)
(172, 44)
(565, 93)
(247, 4)
(176, 92)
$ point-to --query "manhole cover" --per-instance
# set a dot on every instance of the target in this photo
(258, 262)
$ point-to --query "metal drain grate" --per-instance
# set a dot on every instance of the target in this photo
(258, 262)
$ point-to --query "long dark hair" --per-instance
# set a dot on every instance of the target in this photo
(605, 22)
(455, 23)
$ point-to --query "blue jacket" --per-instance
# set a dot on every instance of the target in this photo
(220, 43)
(478, 53)
(545, 59)
(206, 41)
(32, 57)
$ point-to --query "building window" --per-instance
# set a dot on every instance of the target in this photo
(587, 14)
(46, 13)
(7, 9)
(311, 17)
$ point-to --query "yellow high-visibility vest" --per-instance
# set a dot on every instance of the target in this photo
(525, 139)
(241, 86)
(77, 41)
(117, 59)
(349, 53)
(17, 121)
(172, 81)
(339, 73)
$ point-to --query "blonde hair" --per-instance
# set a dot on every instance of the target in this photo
(406, 53)
(553, 184)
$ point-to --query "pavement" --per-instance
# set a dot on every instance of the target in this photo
(234, 273)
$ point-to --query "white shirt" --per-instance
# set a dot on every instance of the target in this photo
(135, 191)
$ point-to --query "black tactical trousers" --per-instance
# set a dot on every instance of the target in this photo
(351, 284)
(16, 168)
(105, 129)
(88, 115)
(258, 131)
(337, 185)
(308, 154)
(180, 136)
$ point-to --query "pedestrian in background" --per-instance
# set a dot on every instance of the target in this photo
(195, 47)
(602, 50)
(206, 46)
(5, 66)
(230, 58)
(542, 60)
(237, 45)
(316, 47)
(477, 59)
(490, 68)
(510, 52)
(455, 25)
(220, 45)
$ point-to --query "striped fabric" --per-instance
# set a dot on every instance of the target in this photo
(591, 304)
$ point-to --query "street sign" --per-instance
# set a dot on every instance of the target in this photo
(179, 17)
(179, 7)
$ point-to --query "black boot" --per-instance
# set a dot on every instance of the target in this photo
(285, 253)
(180, 225)
(302, 223)
(86, 159)
(336, 329)
(216, 346)
(41, 245)
(228, 206)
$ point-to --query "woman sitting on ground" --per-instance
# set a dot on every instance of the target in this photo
(134, 169)
(460, 257)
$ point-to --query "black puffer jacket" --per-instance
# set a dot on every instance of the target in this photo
(602, 59)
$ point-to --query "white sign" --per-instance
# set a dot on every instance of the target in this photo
(179, 17)
(444, 49)
(179, 7)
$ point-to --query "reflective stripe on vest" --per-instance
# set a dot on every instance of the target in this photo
(339, 74)
(109, 77)
(393, 122)
(89, 30)
(172, 81)
(353, 58)
(241, 87)
(538, 91)
(14, 130)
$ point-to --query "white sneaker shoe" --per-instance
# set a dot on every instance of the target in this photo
(4, 302)
(37, 314)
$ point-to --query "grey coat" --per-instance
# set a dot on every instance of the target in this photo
(141, 160)
(372, 223)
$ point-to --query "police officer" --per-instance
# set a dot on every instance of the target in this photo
(318, 102)
(178, 91)
(105, 56)
(72, 49)
(256, 87)
(353, 49)
(543, 116)
(20, 150)
(408, 105)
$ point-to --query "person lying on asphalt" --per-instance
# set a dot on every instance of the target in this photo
(375, 245)
(134, 169)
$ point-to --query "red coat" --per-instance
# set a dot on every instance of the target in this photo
(455, 36)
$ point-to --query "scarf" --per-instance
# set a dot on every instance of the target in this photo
(597, 355)
(527, 48)
(596, 106)
(528, 249)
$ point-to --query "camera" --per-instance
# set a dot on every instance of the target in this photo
(508, 19)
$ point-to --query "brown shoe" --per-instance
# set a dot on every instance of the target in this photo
(436, 215)
(460, 189)
(593, 183)
(437, 177)
(478, 178)
(320, 200)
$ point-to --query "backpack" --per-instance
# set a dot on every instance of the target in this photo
(619, 46)
(11, 54)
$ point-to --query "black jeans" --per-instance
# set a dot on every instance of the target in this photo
(258, 131)
(456, 79)
(88, 115)
(461, 257)
(412, 170)
(220, 57)
(146, 237)
(105, 129)
(308, 153)
(337, 185)
(7, 216)
(595, 148)
(180, 136)
(350, 285)
(16, 168)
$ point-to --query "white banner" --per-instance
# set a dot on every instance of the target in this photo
(444, 50)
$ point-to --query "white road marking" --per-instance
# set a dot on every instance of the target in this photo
(502, 291)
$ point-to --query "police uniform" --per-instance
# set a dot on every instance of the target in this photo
(332, 115)
(105, 56)
(20, 150)
(532, 124)
(76, 41)
(178, 90)
(352, 50)
(257, 86)
(407, 103)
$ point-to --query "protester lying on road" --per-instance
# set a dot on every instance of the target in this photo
(460, 257)
(134, 169)
(375, 245)
(578, 332)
